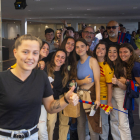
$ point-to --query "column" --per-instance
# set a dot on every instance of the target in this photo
(74, 24)
(23, 26)
(1, 64)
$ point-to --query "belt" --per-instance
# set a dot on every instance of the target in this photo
(20, 134)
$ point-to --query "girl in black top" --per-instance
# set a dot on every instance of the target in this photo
(57, 69)
(22, 90)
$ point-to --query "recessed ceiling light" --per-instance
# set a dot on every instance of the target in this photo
(88, 9)
(135, 7)
(68, 8)
(30, 22)
(51, 8)
(14, 22)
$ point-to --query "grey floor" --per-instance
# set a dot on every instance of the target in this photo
(136, 129)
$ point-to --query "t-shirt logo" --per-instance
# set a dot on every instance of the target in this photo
(110, 72)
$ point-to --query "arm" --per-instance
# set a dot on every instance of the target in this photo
(54, 106)
(62, 34)
(96, 72)
(137, 80)
(109, 92)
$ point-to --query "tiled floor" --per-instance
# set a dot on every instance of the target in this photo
(136, 129)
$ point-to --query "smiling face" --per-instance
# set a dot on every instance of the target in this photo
(27, 55)
(59, 59)
(81, 48)
(101, 50)
(112, 53)
(44, 51)
(125, 54)
(69, 45)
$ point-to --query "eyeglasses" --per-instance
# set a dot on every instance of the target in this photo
(113, 27)
(87, 32)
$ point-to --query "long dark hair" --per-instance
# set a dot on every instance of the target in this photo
(85, 42)
(106, 46)
(118, 67)
(133, 58)
(71, 59)
(63, 69)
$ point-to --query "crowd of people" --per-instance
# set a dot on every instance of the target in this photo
(100, 64)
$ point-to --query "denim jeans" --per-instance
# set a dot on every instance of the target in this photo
(32, 137)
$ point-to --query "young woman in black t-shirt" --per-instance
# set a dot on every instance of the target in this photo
(22, 90)
(57, 70)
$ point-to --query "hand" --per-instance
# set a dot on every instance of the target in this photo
(41, 65)
(97, 103)
(64, 22)
(63, 31)
(87, 80)
(110, 104)
(72, 97)
(114, 80)
(122, 80)
(56, 45)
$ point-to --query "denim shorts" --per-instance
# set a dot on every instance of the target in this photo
(32, 137)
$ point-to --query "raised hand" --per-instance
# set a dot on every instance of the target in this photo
(72, 97)
(114, 80)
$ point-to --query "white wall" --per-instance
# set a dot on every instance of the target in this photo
(130, 26)
(13, 30)
(10, 30)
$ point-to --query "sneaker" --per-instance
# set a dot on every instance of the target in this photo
(87, 137)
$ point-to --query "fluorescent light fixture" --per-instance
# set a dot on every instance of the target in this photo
(68, 8)
(135, 7)
(88, 9)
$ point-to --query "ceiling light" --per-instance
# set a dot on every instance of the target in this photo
(51, 8)
(14, 22)
(30, 22)
(88, 9)
(68, 8)
(36, 0)
(135, 7)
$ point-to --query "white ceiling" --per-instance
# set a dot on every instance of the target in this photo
(88, 11)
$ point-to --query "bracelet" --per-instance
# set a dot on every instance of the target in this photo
(66, 100)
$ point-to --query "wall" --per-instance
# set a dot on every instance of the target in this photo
(10, 30)
(130, 26)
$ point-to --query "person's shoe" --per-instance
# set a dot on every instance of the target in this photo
(87, 137)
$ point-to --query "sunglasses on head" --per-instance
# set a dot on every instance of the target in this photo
(113, 27)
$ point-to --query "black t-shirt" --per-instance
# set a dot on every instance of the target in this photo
(131, 42)
(20, 101)
(57, 84)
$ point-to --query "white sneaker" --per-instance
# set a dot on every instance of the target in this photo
(87, 137)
